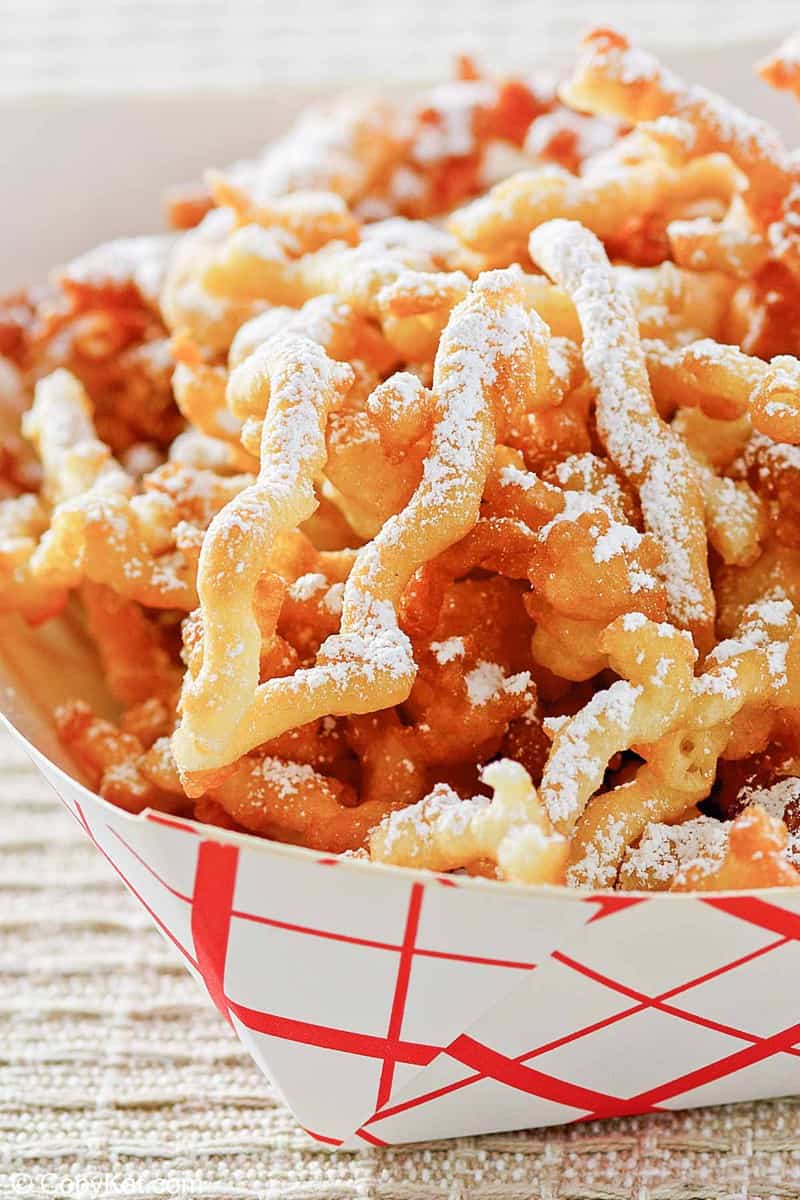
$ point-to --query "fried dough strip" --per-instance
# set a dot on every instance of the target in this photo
(613, 78)
(442, 832)
(485, 349)
(656, 664)
(759, 666)
(636, 438)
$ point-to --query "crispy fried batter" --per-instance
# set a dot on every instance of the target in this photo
(372, 515)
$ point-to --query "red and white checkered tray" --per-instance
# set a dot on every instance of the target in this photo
(392, 1006)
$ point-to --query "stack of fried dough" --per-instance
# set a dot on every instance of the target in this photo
(432, 491)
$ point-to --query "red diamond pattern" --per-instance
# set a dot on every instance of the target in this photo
(389, 1007)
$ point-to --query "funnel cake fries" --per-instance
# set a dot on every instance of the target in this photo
(143, 545)
(383, 158)
(610, 197)
(637, 440)
(756, 858)
(732, 708)
(727, 384)
(368, 665)
(98, 530)
(782, 69)
(614, 80)
(434, 495)
(707, 855)
(512, 831)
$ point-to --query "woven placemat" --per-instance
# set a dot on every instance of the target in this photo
(118, 1077)
(167, 45)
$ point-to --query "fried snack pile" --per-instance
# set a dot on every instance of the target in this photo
(432, 492)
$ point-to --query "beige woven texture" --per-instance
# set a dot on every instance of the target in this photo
(117, 1077)
(113, 45)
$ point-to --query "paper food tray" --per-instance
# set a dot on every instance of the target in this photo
(391, 1006)
(387, 1005)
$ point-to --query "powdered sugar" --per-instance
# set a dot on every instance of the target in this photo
(578, 760)
(139, 262)
(755, 634)
(420, 237)
(487, 680)
(666, 850)
(511, 476)
(333, 599)
(616, 540)
(286, 779)
(743, 136)
(334, 148)
(722, 682)
(305, 587)
(590, 135)
(318, 320)
(448, 651)
(450, 133)
(774, 798)
(637, 439)
(575, 505)
(442, 808)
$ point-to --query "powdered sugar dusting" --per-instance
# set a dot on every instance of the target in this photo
(664, 851)
(616, 540)
(743, 136)
(449, 650)
(442, 807)
(638, 441)
(488, 679)
(305, 587)
(774, 798)
(137, 261)
(755, 634)
(449, 131)
(287, 779)
(327, 149)
(574, 769)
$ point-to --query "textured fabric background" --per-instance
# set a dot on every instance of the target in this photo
(116, 1075)
(111, 45)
